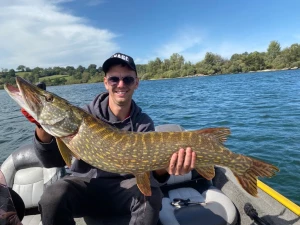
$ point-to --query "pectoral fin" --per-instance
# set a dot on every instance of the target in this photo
(65, 152)
(208, 172)
(143, 183)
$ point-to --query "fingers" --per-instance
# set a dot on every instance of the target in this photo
(187, 161)
(193, 162)
(172, 165)
(182, 162)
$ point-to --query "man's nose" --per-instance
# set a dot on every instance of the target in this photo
(121, 83)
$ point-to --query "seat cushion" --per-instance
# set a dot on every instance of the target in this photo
(32, 220)
(29, 184)
(212, 208)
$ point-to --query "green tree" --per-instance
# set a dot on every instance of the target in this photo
(92, 69)
(273, 50)
(21, 68)
(255, 61)
(70, 70)
(176, 61)
(11, 73)
(80, 69)
(37, 70)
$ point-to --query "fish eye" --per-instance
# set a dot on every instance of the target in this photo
(49, 98)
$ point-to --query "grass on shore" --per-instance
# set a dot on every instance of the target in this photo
(67, 77)
(22, 74)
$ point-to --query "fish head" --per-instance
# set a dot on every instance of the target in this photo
(55, 114)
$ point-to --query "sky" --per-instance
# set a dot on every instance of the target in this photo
(47, 33)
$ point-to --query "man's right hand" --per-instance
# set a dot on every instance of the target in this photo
(29, 117)
(42, 135)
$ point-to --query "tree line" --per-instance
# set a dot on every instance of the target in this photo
(176, 66)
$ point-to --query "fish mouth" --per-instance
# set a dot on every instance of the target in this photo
(28, 96)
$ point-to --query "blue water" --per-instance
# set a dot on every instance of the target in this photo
(262, 110)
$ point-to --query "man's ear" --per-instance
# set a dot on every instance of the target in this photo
(137, 83)
(105, 82)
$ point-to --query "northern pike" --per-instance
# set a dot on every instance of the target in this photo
(85, 137)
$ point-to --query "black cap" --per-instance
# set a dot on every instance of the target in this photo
(116, 59)
(41, 85)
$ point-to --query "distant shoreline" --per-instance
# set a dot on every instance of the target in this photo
(206, 75)
(271, 70)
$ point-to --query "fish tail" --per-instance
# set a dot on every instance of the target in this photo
(248, 179)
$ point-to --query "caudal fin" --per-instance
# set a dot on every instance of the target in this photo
(248, 180)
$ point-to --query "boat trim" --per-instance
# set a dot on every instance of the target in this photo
(280, 198)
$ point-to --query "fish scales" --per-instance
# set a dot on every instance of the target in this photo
(113, 142)
(80, 134)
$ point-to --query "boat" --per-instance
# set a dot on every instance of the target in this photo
(188, 199)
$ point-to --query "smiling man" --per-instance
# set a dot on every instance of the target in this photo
(94, 192)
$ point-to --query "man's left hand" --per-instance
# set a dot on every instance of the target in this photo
(182, 162)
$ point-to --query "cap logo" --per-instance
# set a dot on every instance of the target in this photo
(120, 56)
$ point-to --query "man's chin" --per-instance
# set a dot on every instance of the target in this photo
(122, 100)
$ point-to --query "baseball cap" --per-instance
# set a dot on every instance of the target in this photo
(118, 58)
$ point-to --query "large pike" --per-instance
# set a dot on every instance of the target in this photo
(87, 138)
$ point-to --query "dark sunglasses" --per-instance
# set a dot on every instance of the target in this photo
(128, 80)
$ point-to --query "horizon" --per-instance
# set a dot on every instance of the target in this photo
(47, 33)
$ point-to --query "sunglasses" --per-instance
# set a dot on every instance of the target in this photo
(128, 80)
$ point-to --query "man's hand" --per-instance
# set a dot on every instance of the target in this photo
(182, 162)
(29, 117)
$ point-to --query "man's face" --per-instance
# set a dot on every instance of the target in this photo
(120, 82)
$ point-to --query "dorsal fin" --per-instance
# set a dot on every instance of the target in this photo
(220, 133)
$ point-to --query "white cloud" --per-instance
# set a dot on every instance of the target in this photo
(185, 40)
(40, 33)
(86, 2)
(193, 44)
(225, 49)
(61, 1)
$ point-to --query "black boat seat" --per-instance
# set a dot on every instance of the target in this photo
(25, 175)
(186, 202)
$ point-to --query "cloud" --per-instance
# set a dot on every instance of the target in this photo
(193, 44)
(61, 1)
(185, 40)
(225, 49)
(40, 33)
(86, 2)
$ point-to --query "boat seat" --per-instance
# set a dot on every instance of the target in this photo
(25, 175)
(191, 199)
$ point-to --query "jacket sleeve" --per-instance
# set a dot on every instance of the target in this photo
(48, 153)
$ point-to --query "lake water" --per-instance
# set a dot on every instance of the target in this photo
(262, 110)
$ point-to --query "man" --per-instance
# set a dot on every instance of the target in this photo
(91, 191)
